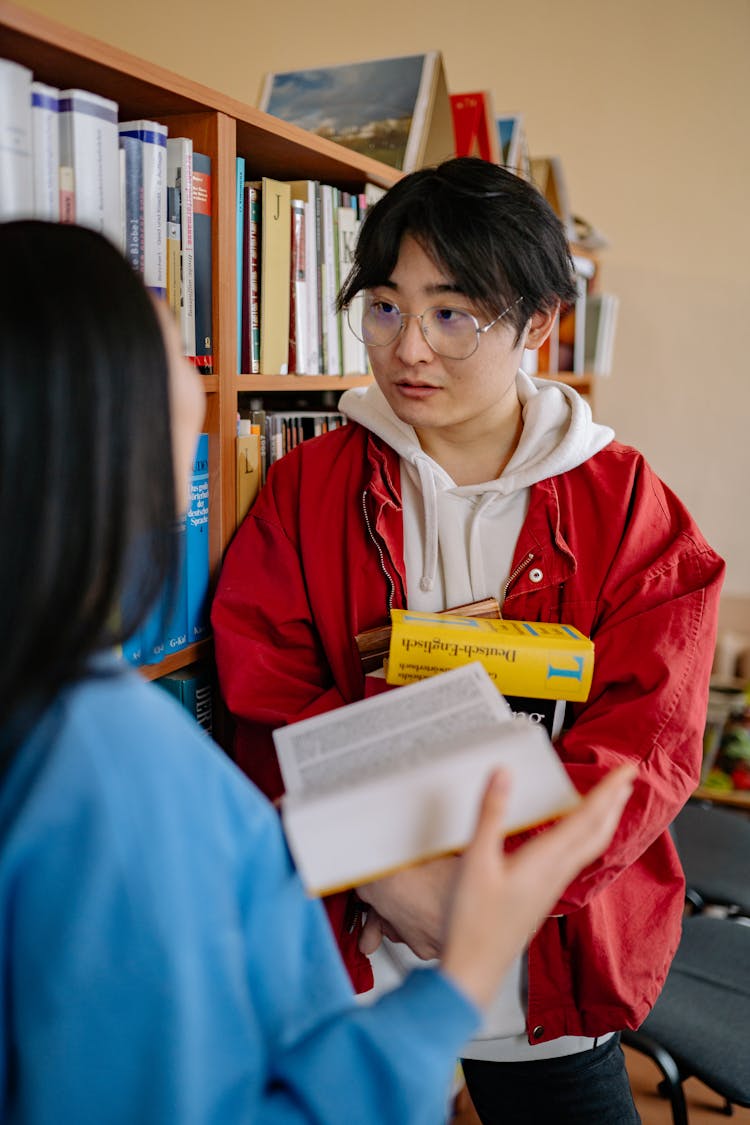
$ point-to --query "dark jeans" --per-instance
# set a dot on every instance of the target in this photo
(588, 1088)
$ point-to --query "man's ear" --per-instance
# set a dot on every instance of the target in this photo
(540, 327)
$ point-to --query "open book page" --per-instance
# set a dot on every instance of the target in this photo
(391, 732)
(397, 779)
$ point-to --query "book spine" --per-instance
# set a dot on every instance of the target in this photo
(328, 284)
(354, 355)
(174, 284)
(180, 177)
(45, 128)
(274, 276)
(16, 145)
(89, 145)
(153, 140)
(175, 625)
(202, 208)
(239, 197)
(196, 546)
(133, 200)
(298, 331)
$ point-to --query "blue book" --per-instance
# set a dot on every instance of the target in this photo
(202, 208)
(175, 625)
(193, 687)
(133, 201)
(196, 547)
(132, 649)
(240, 215)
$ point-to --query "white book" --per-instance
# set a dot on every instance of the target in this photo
(328, 281)
(16, 179)
(89, 146)
(398, 778)
(153, 138)
(354, 353)
(308, 192)
(299, 329)
(180, 176)
(45, 147)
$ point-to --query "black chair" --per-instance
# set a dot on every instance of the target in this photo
(714, 848)
(700, 1025)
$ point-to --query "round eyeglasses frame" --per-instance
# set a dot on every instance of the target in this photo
(479, 330)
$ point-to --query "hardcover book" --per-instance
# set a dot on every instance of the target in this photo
(45, 134)
(193, 687)
(396, 110)
(153, 141)
(308, 192)
(16, 178)
(197, 569)
(180, 180)
(202, 243)
(514, 149)
(275, 253)
(474, 125)
(132, 200)
(89, 147)
(397, 779)
(534, 659)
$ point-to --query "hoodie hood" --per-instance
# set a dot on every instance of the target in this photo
(558, 435)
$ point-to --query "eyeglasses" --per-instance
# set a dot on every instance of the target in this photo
(451, 333)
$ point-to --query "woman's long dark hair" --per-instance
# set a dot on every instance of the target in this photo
(87, 497)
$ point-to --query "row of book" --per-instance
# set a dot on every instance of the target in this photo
(295, 246)
(66, 157)
(268, 435)
(172, 626)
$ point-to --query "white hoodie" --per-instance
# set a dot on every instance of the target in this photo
(459, 542)
(459, 539)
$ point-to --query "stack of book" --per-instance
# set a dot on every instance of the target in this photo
(66, 157)
(295, 249)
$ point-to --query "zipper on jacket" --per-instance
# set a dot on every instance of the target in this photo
(379, 549)
(515, 574)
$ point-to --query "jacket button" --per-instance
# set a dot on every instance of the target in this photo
(538, 1032)
(535, 575)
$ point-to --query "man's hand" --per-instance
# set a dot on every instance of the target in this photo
(410, 907)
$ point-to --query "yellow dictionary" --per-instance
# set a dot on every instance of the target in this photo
(523, 658)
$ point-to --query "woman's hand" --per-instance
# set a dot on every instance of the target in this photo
(499, 900)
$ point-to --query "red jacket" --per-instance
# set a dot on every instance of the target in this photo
(605, 547)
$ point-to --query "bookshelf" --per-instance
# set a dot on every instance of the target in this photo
(223, 128)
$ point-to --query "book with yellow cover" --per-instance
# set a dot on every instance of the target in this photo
(524, 658)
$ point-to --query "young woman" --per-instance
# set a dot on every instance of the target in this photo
(161, 963)
(460, 478)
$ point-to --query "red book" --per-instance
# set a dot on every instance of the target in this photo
(474, 126)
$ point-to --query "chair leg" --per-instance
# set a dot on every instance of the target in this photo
(672, 1084)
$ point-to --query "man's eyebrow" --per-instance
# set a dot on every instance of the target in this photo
(431, 290)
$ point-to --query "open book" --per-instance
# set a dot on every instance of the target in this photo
(398, 778)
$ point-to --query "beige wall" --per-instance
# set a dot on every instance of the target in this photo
(647, 102)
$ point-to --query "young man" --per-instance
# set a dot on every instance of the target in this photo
(460, 478)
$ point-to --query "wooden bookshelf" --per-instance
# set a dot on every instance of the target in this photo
(223, 128)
